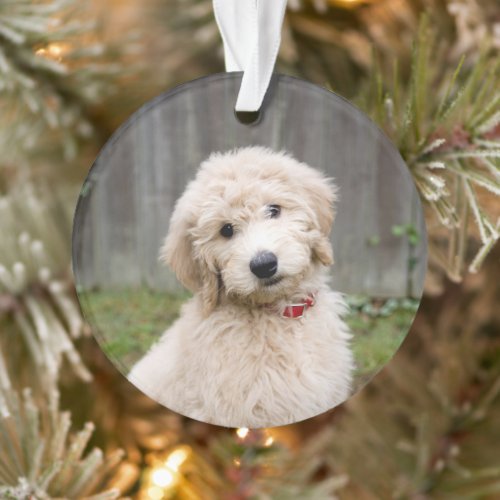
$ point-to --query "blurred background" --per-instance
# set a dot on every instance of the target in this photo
(71, 426)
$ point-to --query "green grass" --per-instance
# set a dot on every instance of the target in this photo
(128, 322)
(376, 340)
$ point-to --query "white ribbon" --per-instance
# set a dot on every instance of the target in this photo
(251, 32)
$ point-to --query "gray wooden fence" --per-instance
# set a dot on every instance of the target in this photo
(126, 203)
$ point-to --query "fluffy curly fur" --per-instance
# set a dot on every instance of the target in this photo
(231, 359)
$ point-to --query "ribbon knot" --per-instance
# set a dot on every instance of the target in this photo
(251, 33)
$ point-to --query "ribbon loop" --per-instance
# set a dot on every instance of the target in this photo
(251, 33)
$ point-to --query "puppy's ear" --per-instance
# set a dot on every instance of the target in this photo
(178, 253)
(322, 250)
(320, 194)
(177, 249)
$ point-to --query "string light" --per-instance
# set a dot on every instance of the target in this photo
(269, 441)
(242, 432)
(164, 474)
(162, 477)
(53, 50)
(177, 458)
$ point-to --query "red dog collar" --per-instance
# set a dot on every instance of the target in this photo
(298, 310)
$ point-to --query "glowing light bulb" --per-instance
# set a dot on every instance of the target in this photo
(55, 50)
(162, 477)
(269, 441)
(242, 432)
(176, 458)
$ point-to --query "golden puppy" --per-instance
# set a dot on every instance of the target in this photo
(261, 343)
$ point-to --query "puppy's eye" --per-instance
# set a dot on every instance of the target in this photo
(227, 230)
(273, 211)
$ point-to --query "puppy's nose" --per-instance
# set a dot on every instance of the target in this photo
(264, 265)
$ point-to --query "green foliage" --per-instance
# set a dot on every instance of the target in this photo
(446, 126)
(379, 327)
(53, 71)
(413, 236)
(408, 230)
(37, 300)
(40, 323)
(40, 458)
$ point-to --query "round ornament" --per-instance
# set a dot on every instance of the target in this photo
(249, 275)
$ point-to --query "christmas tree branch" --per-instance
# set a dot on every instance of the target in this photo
(48, 82)
(35, 287)
(432, 439)
(445, 124)
(36, 461)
